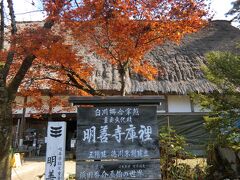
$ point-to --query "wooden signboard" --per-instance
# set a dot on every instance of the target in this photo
(124, 169)
(119, 136)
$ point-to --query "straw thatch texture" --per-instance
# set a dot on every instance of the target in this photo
(181, 63)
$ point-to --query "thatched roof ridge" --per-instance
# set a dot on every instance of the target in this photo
(181, 63)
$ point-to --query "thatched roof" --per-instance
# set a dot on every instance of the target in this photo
(181, 63)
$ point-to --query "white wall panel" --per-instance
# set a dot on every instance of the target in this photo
(179, 103)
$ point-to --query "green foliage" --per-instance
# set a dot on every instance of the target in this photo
(186, 172)
(223, 69)
(224, 131)
(171, 143)
(171, 150)
(171, 147)
(181, 171)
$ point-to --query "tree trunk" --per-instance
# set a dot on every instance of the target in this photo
(5, 132)
(2, 26)
(123, 84)
(5, 116)
(5, 167)
(123, 72)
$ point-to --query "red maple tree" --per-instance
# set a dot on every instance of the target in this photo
(120, 31)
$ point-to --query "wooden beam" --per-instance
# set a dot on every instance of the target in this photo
(116, 100)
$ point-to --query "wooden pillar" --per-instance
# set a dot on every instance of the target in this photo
(23, 121)
(50, 107)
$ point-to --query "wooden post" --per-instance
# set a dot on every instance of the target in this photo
(23, 121)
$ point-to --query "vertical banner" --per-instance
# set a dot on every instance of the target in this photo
(55, 156)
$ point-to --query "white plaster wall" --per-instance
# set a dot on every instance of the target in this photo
(18, 102)
(30, 111)
(179, 103)
(176, 103)
(58, 109)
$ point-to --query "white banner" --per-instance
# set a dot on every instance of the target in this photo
(55, 156)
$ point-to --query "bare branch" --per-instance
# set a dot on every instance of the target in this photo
(74, 78)
(15, 83)
(76, 3)
(53, 79)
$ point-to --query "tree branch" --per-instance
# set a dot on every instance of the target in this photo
(72, 79)
(76, 3)
(7, 65)
(15, 83)
(79, 86)
(106, 48)
(12, 15)
(26, 64)
(56, 80)
(72, 75)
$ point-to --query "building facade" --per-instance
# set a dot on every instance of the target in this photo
(182, 76)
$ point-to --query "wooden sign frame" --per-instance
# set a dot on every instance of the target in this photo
(117, 138)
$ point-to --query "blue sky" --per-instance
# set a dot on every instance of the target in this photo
(220, 7)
